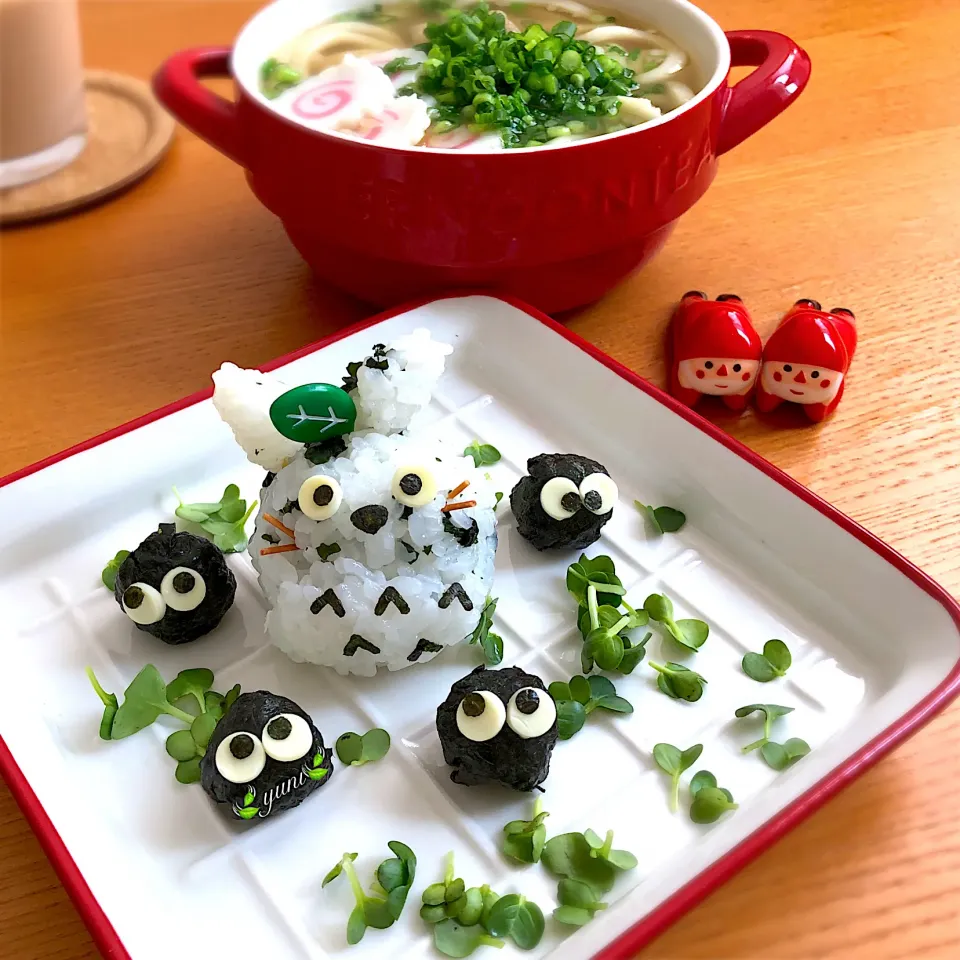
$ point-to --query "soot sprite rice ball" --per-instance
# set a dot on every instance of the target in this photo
(498, 726)
(175, 586)
(563, 502)
(265, 755)
(363, 559)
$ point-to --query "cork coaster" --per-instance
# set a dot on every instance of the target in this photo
(127, 134)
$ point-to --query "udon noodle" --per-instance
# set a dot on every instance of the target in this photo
(438, 74)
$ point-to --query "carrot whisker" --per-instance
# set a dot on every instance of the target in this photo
(457, 490)
(282, 527)
(462, 505)
(279, 548)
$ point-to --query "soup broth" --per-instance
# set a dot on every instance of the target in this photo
(478, 76)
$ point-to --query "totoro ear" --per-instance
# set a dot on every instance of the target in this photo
(313, 412)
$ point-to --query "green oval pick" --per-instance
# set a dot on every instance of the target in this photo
(313, 412)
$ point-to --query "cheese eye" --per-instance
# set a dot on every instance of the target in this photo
(143, 603)
(414, 486)
(287, 737)
(240, 757)
(182, 589)
(560, 498)
(531, 712)
(320, 497)
(481, 715)
(599, 493)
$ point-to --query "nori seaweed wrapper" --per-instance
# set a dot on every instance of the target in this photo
(535, 524)
(506, 758)
(160, 553)
(281, 785)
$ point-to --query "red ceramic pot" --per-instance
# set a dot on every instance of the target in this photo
(557, 227)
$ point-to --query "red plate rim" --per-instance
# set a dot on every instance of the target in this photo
(641, 933)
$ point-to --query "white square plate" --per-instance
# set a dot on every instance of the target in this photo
(876, 649)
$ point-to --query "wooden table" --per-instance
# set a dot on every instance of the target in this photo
(852, 197)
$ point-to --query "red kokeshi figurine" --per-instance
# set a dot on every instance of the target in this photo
(806, 360)
(714, 350)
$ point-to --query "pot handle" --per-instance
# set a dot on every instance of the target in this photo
(211, 117)
(783, 72)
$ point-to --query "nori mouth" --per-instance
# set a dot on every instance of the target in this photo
(506, 758)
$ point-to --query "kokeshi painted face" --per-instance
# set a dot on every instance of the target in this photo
(718, 376)
(801, 382)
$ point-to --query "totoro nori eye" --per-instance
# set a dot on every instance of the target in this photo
(320, 497)
(287, 737)
(182, 589)
(560, 498)
(481, 715)
(143, 603)
(240, 757)
(414, 486)
(599, 493)
(531, 712)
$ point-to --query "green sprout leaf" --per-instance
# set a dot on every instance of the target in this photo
(571, 716)
(568, 855)
(337, 869)
(772, 663)
(356, 925)
(231, 697)
(580, 689)
(673, 761)
(222, 522)
(573, 916)
(691, 634)
(110, 705)
(662, 519)
(375, 744)
(702, 778)
(191, 683)
(779, 756)
(578, 698)
(349, 747)
(524, 840)
(490, 643)
(757, 667)
(143, 702)
(181, 746)
(453, 939)
(394, 877)
(202, 728)
(109, 574)
(599, 572)
(770, 711)
(603, 850)
(576, 893)
(710, 803)
(484, 454)
(188, 771)
(518, 918)
(356, 750)
(679, 682)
